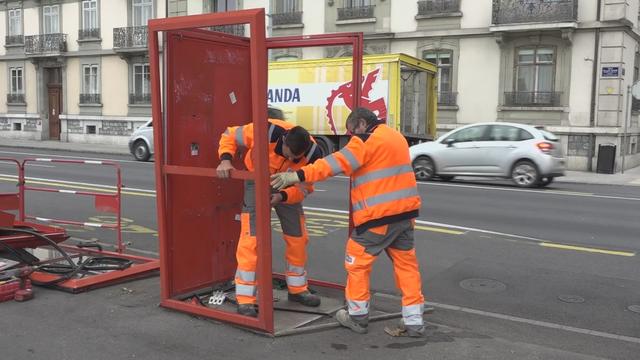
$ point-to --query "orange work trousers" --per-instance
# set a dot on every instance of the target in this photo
(295, 236)
(362, 251)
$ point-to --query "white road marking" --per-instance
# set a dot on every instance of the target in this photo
(28, 164)
(81, 183)
(74, 157)
(541, 192)
(517, 319)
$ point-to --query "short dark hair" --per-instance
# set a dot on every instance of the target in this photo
(275, 113)
(298, 140)
(361, 113)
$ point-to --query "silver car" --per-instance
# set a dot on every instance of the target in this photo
(141, 142)
(529, 155)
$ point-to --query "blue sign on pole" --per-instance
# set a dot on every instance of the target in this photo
(610, 71)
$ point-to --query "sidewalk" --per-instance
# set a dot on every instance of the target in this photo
(630, 177)
(66, 146)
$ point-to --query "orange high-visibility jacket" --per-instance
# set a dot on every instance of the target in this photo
(383, 186)
(236, 137)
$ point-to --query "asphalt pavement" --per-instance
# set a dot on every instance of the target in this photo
(512, 273)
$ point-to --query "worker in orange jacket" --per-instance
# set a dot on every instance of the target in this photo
(384, 205)
(290, 148)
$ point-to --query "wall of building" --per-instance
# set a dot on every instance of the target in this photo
(477, 94)
(70, 13)
(73, 86)
(475, 14)
(116, 96)
(31, 90)
(582, 66)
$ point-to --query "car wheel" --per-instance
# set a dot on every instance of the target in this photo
(546, 181)
(423, 168)
(141, 151)
(525, 174)
(446, 177)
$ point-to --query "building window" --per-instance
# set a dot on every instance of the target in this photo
(221, 5)
(90, 85)
(177, 7)
(534, 77)
(90, 14)
(141, 85)
(285, 6)
(16, 81)
(51, 19)
(142, 12)
(16, 86)
(443, 59)
(286, 12)
(356, 3)
(15, 22)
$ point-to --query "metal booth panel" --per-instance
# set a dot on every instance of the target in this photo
(208, 88)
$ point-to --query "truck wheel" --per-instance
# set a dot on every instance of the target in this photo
(141, 151)
(423, 168)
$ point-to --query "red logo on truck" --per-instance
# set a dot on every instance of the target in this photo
(344, 91)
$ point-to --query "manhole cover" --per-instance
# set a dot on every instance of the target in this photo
(571, 299)
(483, 285)
(634, 308)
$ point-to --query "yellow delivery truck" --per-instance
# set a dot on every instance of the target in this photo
(316, 95)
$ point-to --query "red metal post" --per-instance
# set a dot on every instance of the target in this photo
(117, 196)
(158, 143)
(263, 206)
(21, 184)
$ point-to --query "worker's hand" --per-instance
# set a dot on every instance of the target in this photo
(224, 169)
(276, 199)
(282, 180)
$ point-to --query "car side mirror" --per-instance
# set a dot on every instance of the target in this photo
(450, 142)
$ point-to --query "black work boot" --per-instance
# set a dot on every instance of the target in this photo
(416, 331)
(346, 320)
(248, 310)
(305, 298)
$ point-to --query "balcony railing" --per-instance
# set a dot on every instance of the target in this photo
(532, 98)
(47, 43)
(90, 98)
(237, 30)
(287, 18)
(358, 12)
(14, 40)
(85, 34)
(447, 98)
(139, 98)
(130, 37)
(534, 11)
(15, 98)
(436, 7)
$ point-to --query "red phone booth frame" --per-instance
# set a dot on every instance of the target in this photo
(171, 291)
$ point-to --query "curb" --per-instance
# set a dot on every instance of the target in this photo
(89, 150)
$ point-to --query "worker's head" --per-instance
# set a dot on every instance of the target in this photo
(275, 113)
(359, 120)
(296, 143)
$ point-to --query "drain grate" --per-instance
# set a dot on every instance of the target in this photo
(483, 285)
(571, 299)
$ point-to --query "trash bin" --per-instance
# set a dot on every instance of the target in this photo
(606, 159)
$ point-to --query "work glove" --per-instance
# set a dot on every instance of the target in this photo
(283, 180)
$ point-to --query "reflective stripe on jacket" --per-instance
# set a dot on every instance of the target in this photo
(236, 138)
(383, 186)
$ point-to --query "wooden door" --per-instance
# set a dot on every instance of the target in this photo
(55, 107)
